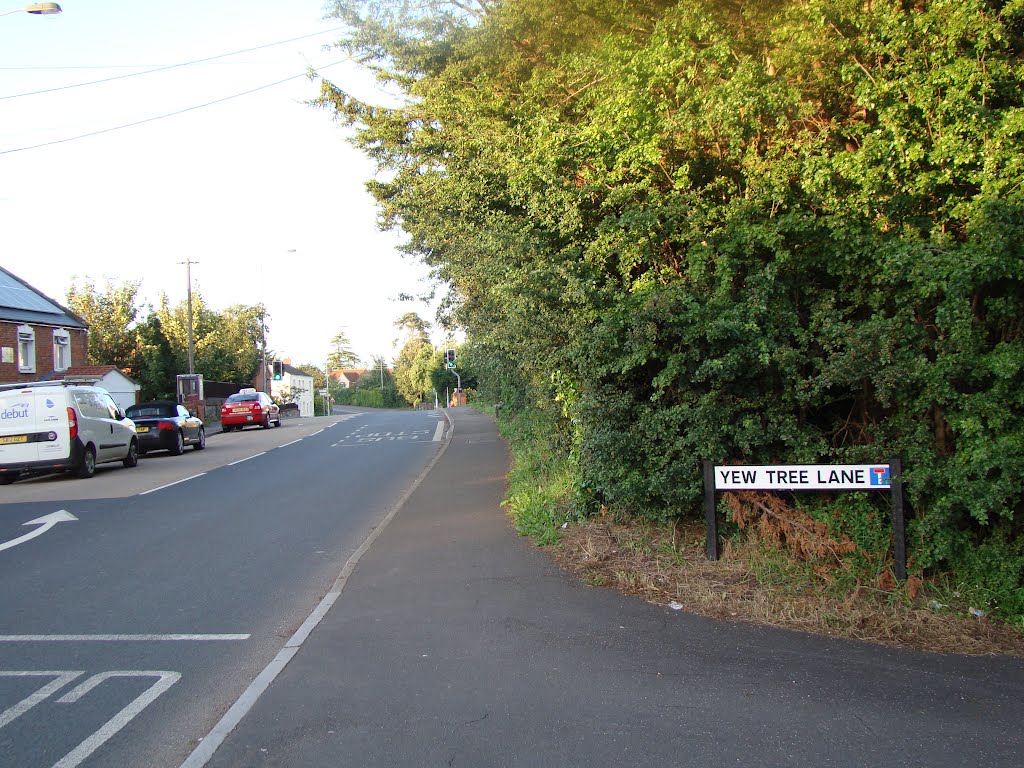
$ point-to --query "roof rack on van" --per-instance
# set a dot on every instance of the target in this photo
(34, 384)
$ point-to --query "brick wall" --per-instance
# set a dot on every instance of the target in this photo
(44, 350)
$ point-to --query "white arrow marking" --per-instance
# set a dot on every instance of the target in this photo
(46, 523)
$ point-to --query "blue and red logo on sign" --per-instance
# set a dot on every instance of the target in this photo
(880, 476)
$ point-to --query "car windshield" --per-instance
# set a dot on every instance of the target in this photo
(242, 398)
(159, 410)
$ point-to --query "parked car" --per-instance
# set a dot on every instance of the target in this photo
(51, 426)
(163, 425)
(247, 408)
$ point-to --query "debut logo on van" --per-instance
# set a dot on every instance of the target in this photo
(49, 403)
(16, 411)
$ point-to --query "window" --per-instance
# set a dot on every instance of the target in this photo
(26, 349)
(61, 350)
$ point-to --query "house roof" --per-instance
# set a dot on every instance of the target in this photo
(291, 369)
(93, 372)
(21, 303)
(350, 374)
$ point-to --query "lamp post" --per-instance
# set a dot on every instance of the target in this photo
(38, 9)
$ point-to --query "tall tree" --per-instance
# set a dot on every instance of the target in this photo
(111, 312)
(341, 354)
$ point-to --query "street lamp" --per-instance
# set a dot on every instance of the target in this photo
(39, 9)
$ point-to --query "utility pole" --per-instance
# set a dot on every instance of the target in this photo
(191, 343)
(263, 337)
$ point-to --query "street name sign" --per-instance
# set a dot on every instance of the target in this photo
(803, 477)
(720, 478)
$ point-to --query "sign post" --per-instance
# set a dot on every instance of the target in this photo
(808, 477)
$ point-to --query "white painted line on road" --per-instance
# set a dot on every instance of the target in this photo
(61, 679)
(439, 432)
(118, 721)
(119, 638)
(232, 463)
(202, 754)
(316, 433)
(46, 523)
(293, 442)
(176, 482)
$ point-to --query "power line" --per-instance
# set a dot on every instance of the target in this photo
(169, 66)
(161, 117)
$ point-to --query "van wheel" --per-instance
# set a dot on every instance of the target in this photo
(202, 441)
(88, 466)
(179, 444)
(132, 459)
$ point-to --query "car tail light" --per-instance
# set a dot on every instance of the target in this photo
(257, 407)
(73, 423)
(165, 425)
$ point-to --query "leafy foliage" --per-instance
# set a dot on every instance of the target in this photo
(759, 232)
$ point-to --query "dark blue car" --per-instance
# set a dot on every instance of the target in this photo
(163, 425)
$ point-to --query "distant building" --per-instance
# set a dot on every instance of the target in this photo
(295, 383)
(346, 378)
(39, 338)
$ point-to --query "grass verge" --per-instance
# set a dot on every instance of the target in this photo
(755, 580)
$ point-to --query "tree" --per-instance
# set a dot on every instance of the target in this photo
(341, 355)
(413, 325)
(154, 367)
(110, 313)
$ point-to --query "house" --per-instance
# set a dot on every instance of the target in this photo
(295, 386)
(123, 388)
(346, 378)
(39, 338)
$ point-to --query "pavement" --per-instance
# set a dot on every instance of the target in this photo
(454, 642)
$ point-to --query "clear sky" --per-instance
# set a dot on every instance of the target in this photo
(233, 186)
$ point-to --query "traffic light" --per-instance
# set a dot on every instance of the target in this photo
(278, 370)
(449, 358)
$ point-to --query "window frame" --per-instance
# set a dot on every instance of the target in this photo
(26, 360)
(61, 337)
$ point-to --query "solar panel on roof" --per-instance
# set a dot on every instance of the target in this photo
(16, 296)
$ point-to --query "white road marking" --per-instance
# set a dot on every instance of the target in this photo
(119, 638)
(46, 523)
(233, 463)
(61, 679)
(316, 433)
(176, 482)
(293, 442)
(439, 432)
(118, 721)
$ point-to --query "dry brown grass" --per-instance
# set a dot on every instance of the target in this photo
(665, 564)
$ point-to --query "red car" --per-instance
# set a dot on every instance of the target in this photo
(248, 408)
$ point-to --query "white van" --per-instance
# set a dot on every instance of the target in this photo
(52, 426)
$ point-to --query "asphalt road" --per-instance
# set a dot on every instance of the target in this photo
(126, 632)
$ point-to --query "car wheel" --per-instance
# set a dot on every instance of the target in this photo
(202, 441)
(266, 421)
(88, 466)
(132, 459)
(278, 422)
(179, 444)
(8, 477)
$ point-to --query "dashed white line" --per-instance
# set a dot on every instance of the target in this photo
(316, 433)
(293, 442)
(183, 480)
(233, 463)
(439, 432)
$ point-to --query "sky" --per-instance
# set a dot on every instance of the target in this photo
(262, 191)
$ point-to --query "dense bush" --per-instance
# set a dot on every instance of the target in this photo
(762, 232)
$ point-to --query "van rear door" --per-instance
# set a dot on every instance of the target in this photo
(30, 421)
